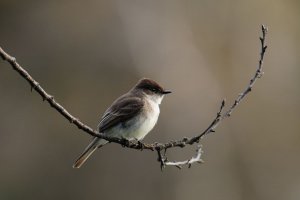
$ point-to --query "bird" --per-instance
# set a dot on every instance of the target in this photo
(131, 116)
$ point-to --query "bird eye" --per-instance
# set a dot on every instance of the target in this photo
(153, 89)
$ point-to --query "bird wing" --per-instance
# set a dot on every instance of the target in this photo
(120, 111)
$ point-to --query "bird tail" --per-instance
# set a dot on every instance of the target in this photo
(95, 144)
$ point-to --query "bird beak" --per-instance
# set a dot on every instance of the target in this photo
(167, 92)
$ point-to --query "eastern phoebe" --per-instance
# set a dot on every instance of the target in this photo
(131, 116)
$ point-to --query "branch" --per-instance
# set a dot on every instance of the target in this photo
(189, 162)
(159, 147)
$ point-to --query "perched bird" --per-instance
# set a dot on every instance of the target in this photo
(131, 116)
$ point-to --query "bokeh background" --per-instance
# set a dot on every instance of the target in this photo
(87, 53)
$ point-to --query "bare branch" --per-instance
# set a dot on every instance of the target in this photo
(189, 162)
(258, 74)
(159, 147)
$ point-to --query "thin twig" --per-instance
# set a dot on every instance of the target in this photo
(189, 162)
(139, 145)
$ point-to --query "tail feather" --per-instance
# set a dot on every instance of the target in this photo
(95, 144)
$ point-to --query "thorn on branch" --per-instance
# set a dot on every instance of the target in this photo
(178, 166)
(262, 40)
(221, 108)
(185, 139)
(260, 74)
(71, 120)
(223, 103)
(13, 60)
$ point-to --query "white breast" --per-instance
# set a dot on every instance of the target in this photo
(151, 117)
(141, 125)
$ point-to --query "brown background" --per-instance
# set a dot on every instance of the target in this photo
(87, 53)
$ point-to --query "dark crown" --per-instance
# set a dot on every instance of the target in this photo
(151, 86)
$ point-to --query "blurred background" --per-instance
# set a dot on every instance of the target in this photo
(87, 53)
